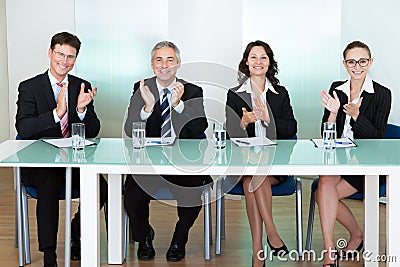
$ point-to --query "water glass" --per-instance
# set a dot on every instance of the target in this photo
(220, 157)
(138, 134)
(78, 136)
(219, 133)
(138, 156)
(79, 156)
(329, 135)
(329, 156)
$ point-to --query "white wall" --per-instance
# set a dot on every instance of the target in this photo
(4, 112)
(30, 26)
(375, 23)
(211, 47)
(205, 31)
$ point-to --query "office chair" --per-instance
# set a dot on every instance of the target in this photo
(27, 192)
(392, 132)
(290, 186)
(165, 194)
(22, 239)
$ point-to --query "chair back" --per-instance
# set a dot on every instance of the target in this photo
(392, 132)
(288, 187)
(32, 191)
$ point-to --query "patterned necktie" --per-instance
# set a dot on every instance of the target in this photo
(165, 115)
(64, 121)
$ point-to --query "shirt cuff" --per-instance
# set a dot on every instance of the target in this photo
(265, 124)
(81, 115)
(145, 115)
(56, 118)
(180, 107)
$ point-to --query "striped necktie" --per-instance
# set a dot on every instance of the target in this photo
(165, 115)
(64, 121)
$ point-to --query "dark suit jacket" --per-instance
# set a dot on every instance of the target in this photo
(374, 112)
(279, 107)
(36, 102)
(187, 125)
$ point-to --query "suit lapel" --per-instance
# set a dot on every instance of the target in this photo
(154, 120)
(47, 91)
(246, 97)
(365, 102)
(73, 86)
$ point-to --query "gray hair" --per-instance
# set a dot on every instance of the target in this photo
(163, 44)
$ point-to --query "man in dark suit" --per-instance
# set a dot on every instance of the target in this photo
(171, 108)
(47, 106)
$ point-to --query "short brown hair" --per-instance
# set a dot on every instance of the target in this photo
(63, 38)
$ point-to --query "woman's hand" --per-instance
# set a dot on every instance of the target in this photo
(330, 103)
(353, 110)
(248, 117)
(260, 110)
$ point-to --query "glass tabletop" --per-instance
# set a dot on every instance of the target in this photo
(201, 153)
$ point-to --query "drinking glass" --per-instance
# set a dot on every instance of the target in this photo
(78, 136)
(138, 134)
(219, 133)
(329, 135)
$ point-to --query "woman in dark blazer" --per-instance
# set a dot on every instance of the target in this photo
(255, 108)
(360, 107)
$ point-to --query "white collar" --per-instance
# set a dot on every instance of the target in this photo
(161, 88)
(367, 86)
(54, 81)
(247, 88)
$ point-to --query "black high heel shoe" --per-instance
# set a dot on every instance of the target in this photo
(352, 254)
(336, 263)
(281, 251)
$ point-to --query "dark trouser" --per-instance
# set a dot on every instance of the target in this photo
(186, 190)
(49, 183)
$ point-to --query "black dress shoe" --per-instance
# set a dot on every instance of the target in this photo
(146, 250)
(281, 251)
(75, 249)
(49, 257)
(175, 253)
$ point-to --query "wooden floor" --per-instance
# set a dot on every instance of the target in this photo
(236, 248)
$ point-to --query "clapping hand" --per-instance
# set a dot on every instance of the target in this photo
(330, 103)
(61, 108)
(85, 98)
(248, 117)
(147, 96)
(353, 110)
(260, 110)
(177, 93)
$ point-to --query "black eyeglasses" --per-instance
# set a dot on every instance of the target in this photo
(351, 63)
